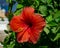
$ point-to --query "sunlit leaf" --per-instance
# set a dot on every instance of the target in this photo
(52, 24)
(54, 29)
(49, 18)
(57, 37)
(43, 10)
(57, 16)
(9, 1)
(46, 30)
(19, 6)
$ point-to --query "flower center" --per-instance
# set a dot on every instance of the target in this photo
(29, 23)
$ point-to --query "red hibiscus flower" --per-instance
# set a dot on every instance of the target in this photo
(28, 25)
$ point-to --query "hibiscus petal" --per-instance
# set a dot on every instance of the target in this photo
(23, 36)
(38, 22)
(17, 24)
(27, 11)
(34, 36)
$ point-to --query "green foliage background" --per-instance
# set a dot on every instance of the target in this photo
(50, 10)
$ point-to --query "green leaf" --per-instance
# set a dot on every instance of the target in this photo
(55, 4)
(44, 1)
(19, 6)
(13, 35)
(57, 37)
(43, 10)
(18, 12)
(50, 11)
(52, 24)
(49, 18)
(54, 29)
(6, 40)
(57, 19)
(46, 30)
(10, 16)
(49, 1)
(43, 46)
(36, 3)
(57, 14)
(9, 1)
(11, 45)
(48, 26)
